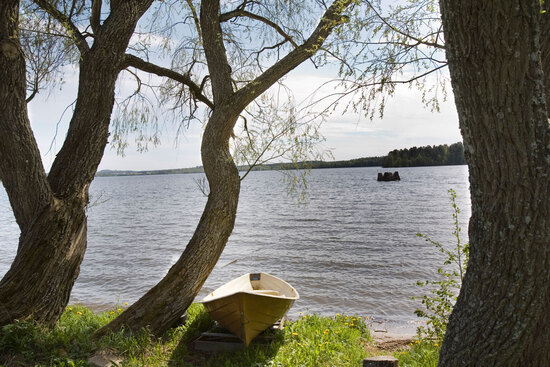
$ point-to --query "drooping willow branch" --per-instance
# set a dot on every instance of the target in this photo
(78, 37)
(407, 35)
(243, 13)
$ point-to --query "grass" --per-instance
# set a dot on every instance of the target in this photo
(311, 340)
(422, 353)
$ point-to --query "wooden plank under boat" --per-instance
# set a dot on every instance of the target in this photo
(251, 303)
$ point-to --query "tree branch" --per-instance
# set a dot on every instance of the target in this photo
(419, 40)
(195, 19)
(73, 9)
(76, 162)
(196, 91)
(243, 13)
(34, 90)
(66, 22)
(214, 49)
(334, 98)
(96, 15)
(330, 20)
(264, 150)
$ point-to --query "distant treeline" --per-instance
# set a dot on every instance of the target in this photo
(358, 162)
(107, 172)
(435, 155)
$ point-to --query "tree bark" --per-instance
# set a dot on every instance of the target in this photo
(21, 169)
(164, 304)
(161, 306)
(51, 211)
(501, 315)
(544, 17)
(47, 263)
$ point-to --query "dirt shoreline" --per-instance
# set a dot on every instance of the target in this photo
(391, 341)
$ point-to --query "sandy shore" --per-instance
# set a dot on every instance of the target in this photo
(391, 337)
(391, 341)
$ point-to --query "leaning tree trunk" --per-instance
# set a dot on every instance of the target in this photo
(501, 315)
(50, 211)
(164, 304)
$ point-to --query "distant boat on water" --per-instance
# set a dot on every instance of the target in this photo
(251, 303)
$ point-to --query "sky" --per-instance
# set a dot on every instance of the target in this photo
(406, 123)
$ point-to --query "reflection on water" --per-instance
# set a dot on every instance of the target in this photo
(351, 249)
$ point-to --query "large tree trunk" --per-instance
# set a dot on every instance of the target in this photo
(501, 315)
(53, 242)
(544, 17)
(51, 211)
(41, 277)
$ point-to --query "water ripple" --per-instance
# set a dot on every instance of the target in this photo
(352, 249)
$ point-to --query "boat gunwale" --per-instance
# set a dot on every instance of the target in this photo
(283, 297)
(204, 300)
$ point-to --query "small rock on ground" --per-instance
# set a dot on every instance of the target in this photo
(105, 358)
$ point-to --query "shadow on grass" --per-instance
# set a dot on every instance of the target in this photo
(259, 352)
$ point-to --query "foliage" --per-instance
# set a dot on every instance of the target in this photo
(67, 344)
(378, 47)
(256, 36)
(435, 155)
(443, 293)
(358, 162)
(386, 44)
(421, 353)
(309, 341)
(274, 131)
(47, 47)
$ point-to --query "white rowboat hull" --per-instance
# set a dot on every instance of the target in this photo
(248, 305)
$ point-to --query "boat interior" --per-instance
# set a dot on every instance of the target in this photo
(256, 283)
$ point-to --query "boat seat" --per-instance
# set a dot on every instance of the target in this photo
(267, 292)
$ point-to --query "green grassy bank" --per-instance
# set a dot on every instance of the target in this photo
(309, 341)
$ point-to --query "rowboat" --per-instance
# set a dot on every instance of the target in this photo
(249, 304)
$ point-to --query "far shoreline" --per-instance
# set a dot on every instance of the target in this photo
(427, 156)
(183, 171)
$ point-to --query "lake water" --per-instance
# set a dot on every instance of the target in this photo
(351, 249)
